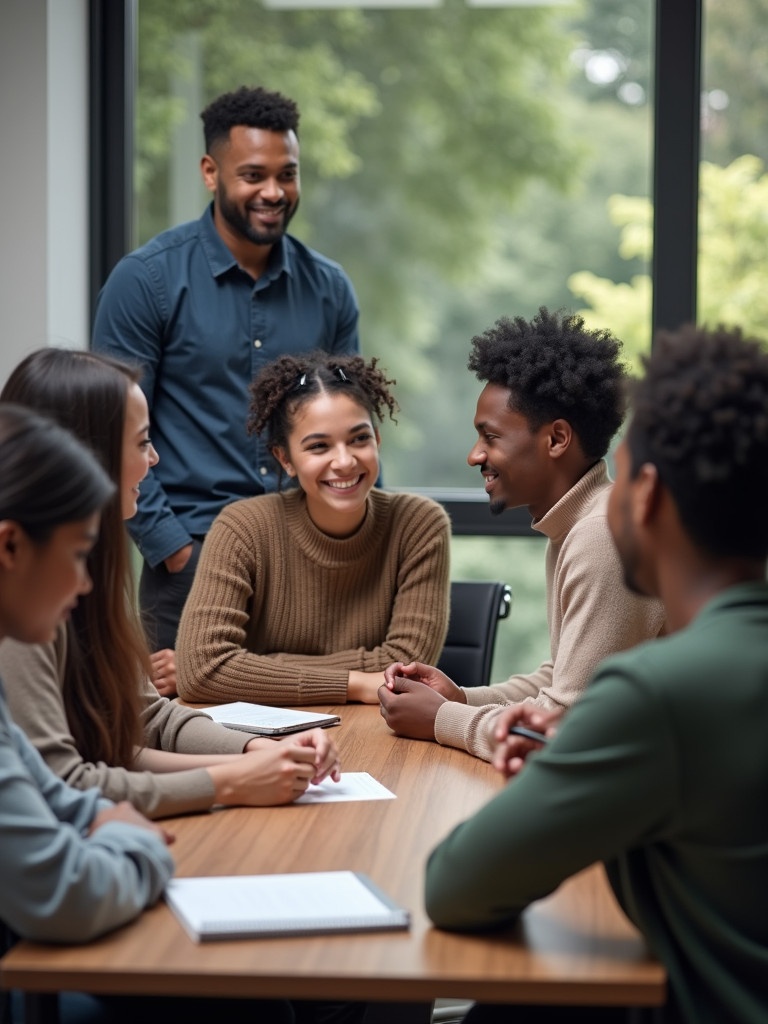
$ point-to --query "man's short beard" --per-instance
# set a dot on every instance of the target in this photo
(242, 226)
(497, 507)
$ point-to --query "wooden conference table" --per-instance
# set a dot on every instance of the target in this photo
(574, 947)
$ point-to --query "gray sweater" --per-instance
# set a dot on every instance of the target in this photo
(59, 884)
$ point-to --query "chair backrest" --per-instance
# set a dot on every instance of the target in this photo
(476, 607)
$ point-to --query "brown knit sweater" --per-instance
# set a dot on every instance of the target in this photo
(279, 612)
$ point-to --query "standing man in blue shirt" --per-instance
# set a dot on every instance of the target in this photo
(201, 308)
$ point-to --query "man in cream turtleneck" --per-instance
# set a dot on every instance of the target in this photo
(553, 399)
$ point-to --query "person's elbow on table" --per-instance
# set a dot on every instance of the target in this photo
(453, 898)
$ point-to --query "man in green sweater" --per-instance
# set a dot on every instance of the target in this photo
(661, 769)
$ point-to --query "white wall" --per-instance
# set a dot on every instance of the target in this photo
(43, 180)
(67, 132)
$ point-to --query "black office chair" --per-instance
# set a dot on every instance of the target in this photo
(476, 607)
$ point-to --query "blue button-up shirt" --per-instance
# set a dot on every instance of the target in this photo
(201, 328)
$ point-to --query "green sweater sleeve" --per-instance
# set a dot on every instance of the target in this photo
(602, 784)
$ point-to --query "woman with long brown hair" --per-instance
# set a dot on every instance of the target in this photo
(85, 699)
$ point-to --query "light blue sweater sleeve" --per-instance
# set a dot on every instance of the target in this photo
(59, 884)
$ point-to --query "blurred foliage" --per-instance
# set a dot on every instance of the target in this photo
(733, 241)
(735, 79)
(466, 163)
(614, 52)
(463, 164)
(522, 640)
(450, 162)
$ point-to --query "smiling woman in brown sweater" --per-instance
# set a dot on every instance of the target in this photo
(306, 596)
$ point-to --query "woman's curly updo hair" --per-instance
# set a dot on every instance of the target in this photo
(287, 383)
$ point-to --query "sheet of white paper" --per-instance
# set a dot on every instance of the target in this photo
(353, 786)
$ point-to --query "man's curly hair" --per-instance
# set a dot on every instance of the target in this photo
(287, 383)
(700, 415)
(555, 368)
(254, 108)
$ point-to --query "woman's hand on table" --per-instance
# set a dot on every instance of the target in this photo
(326, 755)
(127, 814)
(276, 771)
(363, 687)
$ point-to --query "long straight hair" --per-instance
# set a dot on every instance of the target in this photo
(47, 478)
(107, 654)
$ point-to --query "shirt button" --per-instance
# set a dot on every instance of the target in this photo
(257, 343)
(263, 470)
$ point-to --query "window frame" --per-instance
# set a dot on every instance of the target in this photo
(676, 149)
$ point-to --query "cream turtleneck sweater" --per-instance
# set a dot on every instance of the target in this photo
(590, 614)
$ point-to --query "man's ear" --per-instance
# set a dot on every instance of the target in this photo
(559, 437)
(9, 538)
(646, 492)
(209, 171)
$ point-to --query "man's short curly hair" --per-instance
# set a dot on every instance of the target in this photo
(287, 383)
(254, 108)
(700, 415)
(555, 368)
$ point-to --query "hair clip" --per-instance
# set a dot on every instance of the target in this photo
(341, 375)
(300, 383)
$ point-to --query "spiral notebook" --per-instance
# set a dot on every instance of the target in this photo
(304, 903)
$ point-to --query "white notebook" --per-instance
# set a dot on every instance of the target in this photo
(267, 721)
(305, 903)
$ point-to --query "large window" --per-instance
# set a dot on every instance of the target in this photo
(733, 212)
(462, 159)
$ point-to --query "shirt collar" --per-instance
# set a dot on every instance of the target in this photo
(221, 260)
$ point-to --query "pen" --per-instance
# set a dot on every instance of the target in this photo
(529, 734)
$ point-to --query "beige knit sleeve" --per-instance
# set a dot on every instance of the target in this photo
(598, 616)
(594, 616)
(169, 726)
(32, 677)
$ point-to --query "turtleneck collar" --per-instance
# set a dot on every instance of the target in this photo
(574, 504)
(332, 551)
